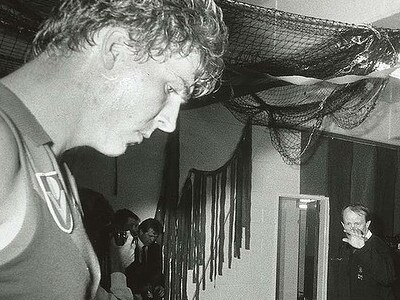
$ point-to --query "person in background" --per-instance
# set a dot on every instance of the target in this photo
(121, 256)
(113, 256)
(126, 220)
(366, 263)
(97, 220)
(145, 275)
(124, 231)
(106, 74)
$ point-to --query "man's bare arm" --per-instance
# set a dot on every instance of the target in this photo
(12, 189)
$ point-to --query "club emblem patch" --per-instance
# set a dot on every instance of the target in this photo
(54, 193)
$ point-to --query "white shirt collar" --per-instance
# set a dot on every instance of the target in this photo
(140, 243)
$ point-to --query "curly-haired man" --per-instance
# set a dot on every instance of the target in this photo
(106, 74)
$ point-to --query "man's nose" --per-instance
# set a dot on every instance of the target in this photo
(166, 118)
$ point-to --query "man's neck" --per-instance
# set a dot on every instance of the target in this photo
(46, 86)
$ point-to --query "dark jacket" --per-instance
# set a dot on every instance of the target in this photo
(146, 272)
(366, 273)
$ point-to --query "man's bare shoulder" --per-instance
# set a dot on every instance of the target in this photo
(9, 158)
(12, 189)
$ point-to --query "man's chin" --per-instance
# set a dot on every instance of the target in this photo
(113, 151)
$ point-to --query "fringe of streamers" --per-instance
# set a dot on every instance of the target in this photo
(228, 191)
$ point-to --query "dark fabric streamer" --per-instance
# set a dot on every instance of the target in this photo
(187, 244)
(247, 167)
(231, 215)
(222, 223)
(167, 204)
(212, 237)
(203, 204)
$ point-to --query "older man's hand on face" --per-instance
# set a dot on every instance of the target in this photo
(355, 237)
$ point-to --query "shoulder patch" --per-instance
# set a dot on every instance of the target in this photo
(56, 199)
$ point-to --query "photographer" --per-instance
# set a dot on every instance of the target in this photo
(113, 237)
(120, 258)
(122, 245)
(125, 220)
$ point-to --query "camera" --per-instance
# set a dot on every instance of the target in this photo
(120, 237)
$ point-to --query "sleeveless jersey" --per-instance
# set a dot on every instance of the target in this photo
(51, 256)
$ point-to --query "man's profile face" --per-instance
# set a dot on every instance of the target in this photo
(354, 222)
(137, 98)
(148, 237)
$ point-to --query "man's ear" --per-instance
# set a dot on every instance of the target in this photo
(368, 223)
(112, 45)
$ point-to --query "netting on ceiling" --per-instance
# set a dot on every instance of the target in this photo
(281, 43)
(13, 52)
(17, 29)
(266, 44)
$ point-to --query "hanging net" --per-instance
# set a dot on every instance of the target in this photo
(17, 29)
(288, 72)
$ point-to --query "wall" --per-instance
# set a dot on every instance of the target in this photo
(208, 137)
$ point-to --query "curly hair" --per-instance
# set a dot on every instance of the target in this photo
(156, 28)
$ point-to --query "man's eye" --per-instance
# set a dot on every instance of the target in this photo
(170, 89)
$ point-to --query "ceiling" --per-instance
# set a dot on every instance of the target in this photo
(392, 21)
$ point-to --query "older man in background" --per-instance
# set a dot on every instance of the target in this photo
(367, 269)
